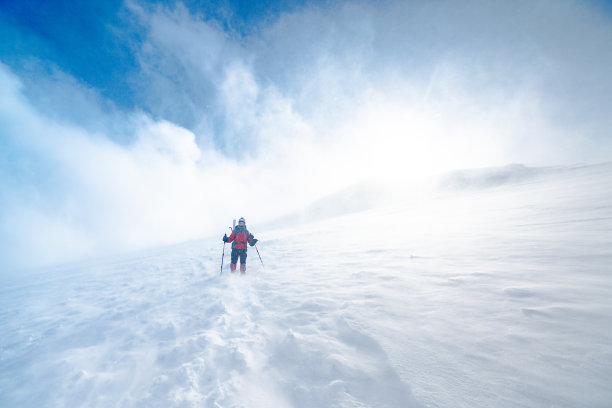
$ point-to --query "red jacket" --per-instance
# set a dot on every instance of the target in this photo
(241, 237)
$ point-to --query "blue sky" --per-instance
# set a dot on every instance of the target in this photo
(98, 43)
(77, 36)
(94, 41)
(126, 124)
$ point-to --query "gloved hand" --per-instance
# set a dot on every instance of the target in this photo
(225, 238)
(253, 242)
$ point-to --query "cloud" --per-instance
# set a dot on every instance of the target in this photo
(69, 193)
(325, 63)
(307, 103)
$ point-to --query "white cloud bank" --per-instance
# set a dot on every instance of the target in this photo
(308, 103)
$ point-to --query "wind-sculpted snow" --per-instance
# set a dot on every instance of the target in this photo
(479, 298)
(166, 330)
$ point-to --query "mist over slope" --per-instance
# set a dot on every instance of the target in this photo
(389, 192)
(140, 123)
(473, 298)
(491, 177)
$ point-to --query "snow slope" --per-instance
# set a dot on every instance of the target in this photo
(481, 295)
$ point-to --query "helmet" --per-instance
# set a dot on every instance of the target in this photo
(241, 220)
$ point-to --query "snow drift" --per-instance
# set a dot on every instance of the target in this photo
(483, 297)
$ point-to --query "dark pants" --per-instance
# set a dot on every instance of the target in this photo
(242, 253)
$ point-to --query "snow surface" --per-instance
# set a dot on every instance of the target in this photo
(485, 294)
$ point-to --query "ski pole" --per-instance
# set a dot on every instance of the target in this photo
(259, 256)
(222, 257)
